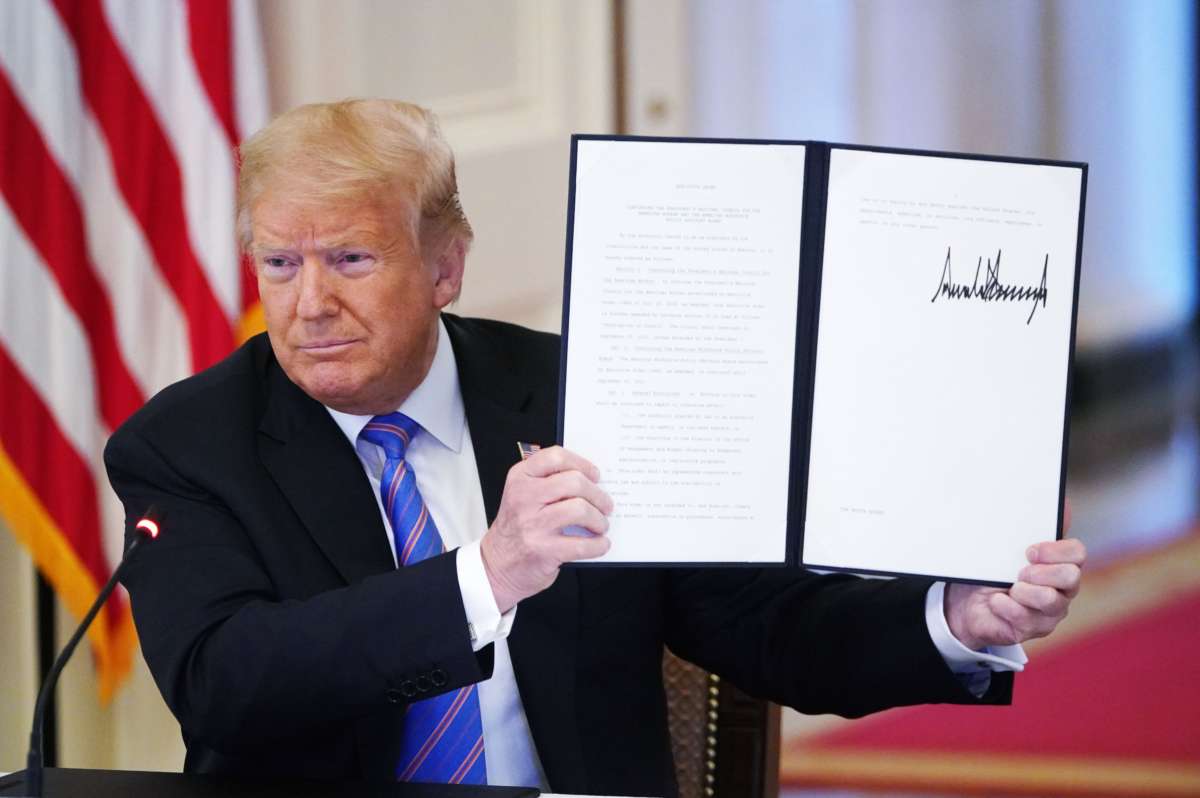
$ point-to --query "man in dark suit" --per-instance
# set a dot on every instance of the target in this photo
(273, 615)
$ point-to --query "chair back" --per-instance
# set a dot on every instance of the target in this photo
(726, 744)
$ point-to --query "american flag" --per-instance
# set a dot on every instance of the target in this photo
(119, 270)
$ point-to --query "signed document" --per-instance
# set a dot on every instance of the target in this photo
(680, 353)
(799, 353)
(939, 407)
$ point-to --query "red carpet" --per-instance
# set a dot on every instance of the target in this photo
(1112, 710)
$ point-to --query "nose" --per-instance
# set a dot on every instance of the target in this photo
(316, 298)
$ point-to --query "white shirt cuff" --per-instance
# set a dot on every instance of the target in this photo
(958, 657)
(484, 621)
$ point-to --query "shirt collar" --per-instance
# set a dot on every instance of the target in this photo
(436, 404)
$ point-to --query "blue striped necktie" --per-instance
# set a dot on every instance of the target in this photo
(443, 735)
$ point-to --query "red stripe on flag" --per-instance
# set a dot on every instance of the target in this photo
(55, 471)
(210, 26)
(147, 173)
(211, 34)
(45, 205)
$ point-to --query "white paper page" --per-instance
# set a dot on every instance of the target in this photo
(939, 408)
(681, 343)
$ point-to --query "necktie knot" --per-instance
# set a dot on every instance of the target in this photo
(392, 432)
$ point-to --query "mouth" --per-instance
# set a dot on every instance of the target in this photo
(327, 346)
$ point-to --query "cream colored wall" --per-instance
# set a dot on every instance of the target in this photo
(511, 79)
(18, 650)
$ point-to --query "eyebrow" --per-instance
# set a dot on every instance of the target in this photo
(353, 238)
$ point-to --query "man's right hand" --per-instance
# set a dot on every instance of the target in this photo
(522, 551)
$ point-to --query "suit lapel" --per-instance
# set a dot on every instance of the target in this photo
(318, 471)
(320, 475)
(543, 641)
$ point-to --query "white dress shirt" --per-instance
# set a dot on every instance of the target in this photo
(442, 459)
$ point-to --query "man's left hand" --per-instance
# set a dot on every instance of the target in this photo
(1032, 607)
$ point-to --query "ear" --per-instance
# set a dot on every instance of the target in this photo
(449, 272)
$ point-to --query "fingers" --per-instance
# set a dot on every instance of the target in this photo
(1069, 550)
(569, 484)
(555, 459)
(1033, 606)
(552, 475)
(1040, 598)
(551, 490)
(1064, 577)
(570, 549)
(1034, 610)
(566, 494)
(1026, 623)
(574, 512)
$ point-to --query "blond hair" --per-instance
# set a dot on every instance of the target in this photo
(345, 151)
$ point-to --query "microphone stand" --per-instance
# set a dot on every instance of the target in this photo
(33, 761)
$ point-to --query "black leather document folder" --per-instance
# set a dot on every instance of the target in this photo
(836, 356)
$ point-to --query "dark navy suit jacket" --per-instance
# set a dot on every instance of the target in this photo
(285, 641)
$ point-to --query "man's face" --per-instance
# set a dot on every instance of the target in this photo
(351, 305)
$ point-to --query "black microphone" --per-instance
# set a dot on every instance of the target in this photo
(148, 525)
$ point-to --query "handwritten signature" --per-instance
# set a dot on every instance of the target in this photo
(992, 289)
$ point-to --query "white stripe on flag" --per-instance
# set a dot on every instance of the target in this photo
(151, 328)
(154, 37)
(45, 339)
(41, 63)
(250, 105)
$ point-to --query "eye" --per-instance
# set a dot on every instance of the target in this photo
(354, 261)
(276, 267)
